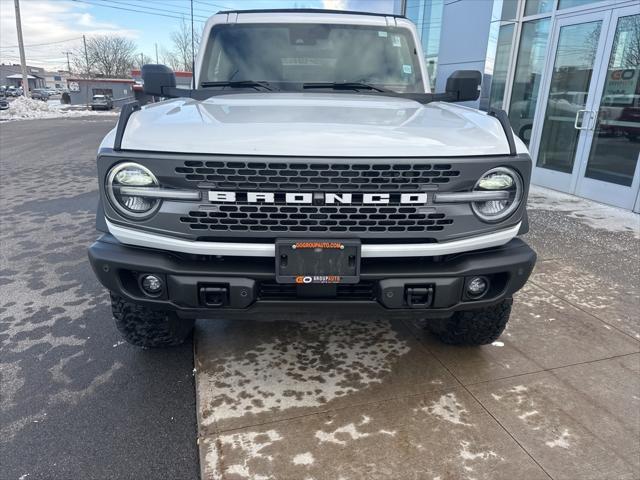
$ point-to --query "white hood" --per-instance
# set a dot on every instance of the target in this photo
(314, 124)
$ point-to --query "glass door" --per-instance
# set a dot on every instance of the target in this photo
(609, 171)
(569, 91)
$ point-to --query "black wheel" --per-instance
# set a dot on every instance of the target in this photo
(473, 327)
(144, 327)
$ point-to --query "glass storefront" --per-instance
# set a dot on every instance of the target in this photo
(568, 74)
(427, 15)
(534, 7)
(574, 96)
(574, 3)
(616, 141)
(509, 10)
(528, 75)
(570, 81)
(501, 65)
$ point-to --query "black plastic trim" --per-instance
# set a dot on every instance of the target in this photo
(311, 10)
(125, 113)
(503, 118)
(101, 223)
(111, 261)
(205, 93)
(524, 226)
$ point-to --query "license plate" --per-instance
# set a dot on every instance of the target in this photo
(317, 261)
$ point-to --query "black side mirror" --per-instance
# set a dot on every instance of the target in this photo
(157, 79)
(464, 85)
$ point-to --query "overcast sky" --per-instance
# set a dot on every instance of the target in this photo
(51, 27)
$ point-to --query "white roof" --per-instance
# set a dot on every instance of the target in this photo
(19, 75)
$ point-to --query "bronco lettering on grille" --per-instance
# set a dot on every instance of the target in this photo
(307, 198)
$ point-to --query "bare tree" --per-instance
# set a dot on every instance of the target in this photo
(626, 44)
(111, 56)
(140, 59)
(170, 59)
(631, 26)
(81, 63)
(180, 56)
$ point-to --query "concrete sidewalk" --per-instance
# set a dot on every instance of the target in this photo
(558, 396)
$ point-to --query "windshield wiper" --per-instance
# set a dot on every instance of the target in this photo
(344, 86)
(239, 84)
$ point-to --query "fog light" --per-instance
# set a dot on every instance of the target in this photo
(151, 285)
(477, 286)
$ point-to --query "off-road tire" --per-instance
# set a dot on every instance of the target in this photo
(148, 328)
(473, 327)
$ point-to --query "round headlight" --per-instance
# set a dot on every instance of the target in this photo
(131, 174)
(500, 179)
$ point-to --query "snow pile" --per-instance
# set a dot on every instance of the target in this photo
(26, 108)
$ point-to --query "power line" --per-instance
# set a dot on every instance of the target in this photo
(212, 4)
(153, 9)
(43, 44)
(206, 12)
(146, 8)
(128, 9)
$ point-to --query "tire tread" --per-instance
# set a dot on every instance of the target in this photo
(473, 327)
(148, 328)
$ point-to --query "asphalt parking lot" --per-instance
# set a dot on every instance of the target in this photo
(558, 396)
(76, 402)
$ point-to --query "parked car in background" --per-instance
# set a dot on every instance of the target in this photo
(39, 94)
(51, 91)
(101, 102)
(13, 91)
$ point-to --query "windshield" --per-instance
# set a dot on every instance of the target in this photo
(284, 54)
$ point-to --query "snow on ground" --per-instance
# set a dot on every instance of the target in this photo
(594, 214)
(28, 109)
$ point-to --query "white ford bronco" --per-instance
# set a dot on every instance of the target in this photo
(311, 170)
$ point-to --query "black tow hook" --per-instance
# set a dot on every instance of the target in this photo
(214, 296)
(419, 296)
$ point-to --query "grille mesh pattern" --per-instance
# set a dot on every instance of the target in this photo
(281, 218)
(312, 176)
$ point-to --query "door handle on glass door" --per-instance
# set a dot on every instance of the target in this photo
(581, 119)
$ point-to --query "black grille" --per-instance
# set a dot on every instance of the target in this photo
(284, 218)
(277, 291)
(311, 176)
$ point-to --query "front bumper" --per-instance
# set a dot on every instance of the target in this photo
(251, 291)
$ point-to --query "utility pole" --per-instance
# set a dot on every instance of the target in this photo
(86, 58)
(157, 53)
(68, 62)
(141, 60)
(193, 49)
(23, 61)
(86, 55)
